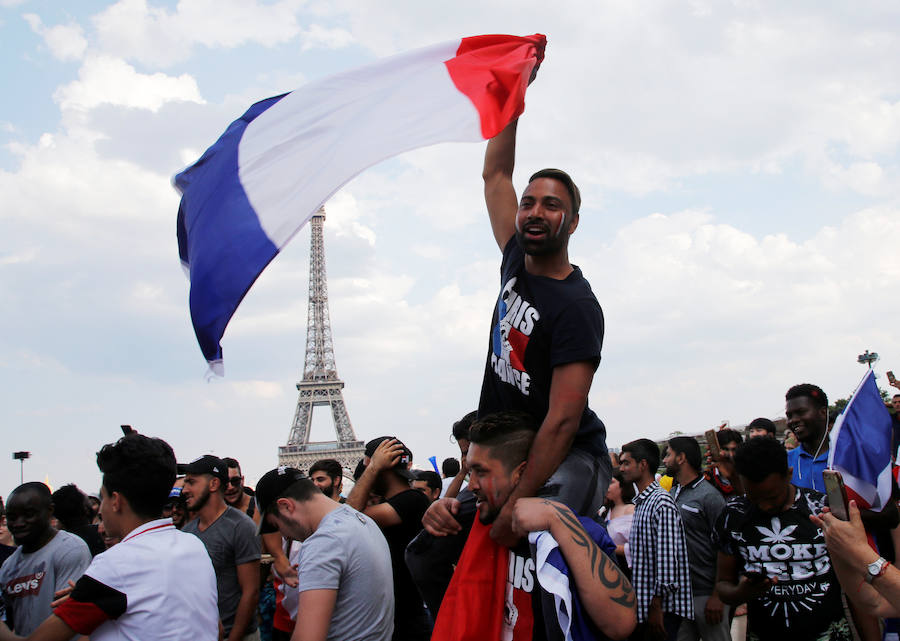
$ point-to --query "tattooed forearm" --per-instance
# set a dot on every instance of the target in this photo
(601, 566)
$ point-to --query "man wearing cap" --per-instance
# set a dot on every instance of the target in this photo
(345, 578)
(547, 333)
(387, 474)
(761, 427)
(230, 539)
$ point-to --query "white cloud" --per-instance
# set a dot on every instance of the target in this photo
(105, 80)
(317, 36)
(65, 41)
(133, 29)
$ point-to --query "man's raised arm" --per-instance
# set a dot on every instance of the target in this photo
(499, 193)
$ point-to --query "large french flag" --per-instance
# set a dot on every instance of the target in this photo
(861, 446)
(272, 169)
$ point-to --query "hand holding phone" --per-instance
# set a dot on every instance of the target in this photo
(712, 443)
(837, 494)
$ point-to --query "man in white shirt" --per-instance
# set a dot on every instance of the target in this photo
(156, 584)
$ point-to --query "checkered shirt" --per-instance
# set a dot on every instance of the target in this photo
(659, 554)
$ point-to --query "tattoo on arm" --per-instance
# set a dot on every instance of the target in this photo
(601, 565)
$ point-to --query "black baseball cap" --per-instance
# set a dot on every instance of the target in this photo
(402, 466)
(762, 423)
(270, 488)
(206, 464)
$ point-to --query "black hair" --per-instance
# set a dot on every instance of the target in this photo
(70, 506)
(230, 462)
(813, 392)
(689, 447)
(728, 435)
(41, 489)
(461, 427)
(627, 487)
(302, 490)
(566, 180)
(328, 465)
(450, 467)
(432, 478)
(759, 457)
(643, 449)
(140, 468)
(512, 431)
(360, 468)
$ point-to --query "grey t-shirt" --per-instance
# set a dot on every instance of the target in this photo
(231, 540)
(348, 553)
(700, 505)
(29, 580)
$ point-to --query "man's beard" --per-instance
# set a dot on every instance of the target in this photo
(551, 244)
(328, 491)
(201, 500)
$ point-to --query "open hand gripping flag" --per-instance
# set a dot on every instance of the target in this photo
(861, 446)
(272, 169)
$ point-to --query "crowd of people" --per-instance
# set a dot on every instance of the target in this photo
(536, 532)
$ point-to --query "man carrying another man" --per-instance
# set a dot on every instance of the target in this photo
(497, 460)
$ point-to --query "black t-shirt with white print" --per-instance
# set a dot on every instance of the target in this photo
(538, 324)
(805, 602)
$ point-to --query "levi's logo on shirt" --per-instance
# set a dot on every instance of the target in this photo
(29, 584)
(516, 320)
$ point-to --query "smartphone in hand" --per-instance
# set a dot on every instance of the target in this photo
(712, 442)
(837, 494)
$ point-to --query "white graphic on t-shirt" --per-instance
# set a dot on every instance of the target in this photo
(793, 564)
(516, 320)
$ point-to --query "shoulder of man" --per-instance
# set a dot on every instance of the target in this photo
(67, 545)
(409, 503)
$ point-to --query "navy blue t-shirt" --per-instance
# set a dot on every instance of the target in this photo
(538, 324)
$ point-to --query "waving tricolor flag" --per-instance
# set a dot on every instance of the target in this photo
(861, 446)
(278, 163)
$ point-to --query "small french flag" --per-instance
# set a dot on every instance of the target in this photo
(272, 169)
(860, 446)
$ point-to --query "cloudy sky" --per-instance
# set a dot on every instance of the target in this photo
(739, 163)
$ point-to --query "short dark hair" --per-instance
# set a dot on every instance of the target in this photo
(728, 435)
(232, 462)
(328, 465)
(302, 490)
(140, 468)
(450, 467)
(689, 447)
(759, 457)
(813, 392)
(41, 489)
(566, 180)
(627, 486)
(511, 430)
(430, 477)
(643, 449)
(461, 427)
(70, 505)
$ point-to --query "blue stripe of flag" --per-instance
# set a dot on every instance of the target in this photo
(220, 240)
(863, 446)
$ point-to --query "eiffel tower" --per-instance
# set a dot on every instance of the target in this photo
(320, 384)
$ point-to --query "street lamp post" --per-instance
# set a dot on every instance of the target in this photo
(20, 457)
(868, 358)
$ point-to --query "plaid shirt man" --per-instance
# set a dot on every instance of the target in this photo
(659, 554)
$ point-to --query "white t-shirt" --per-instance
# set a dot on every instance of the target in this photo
(156, 584)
